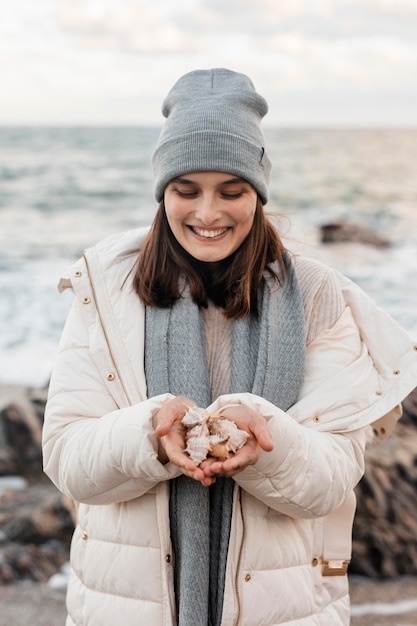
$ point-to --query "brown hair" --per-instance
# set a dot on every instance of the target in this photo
(233, 285)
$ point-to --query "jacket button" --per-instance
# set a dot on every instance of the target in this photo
(396, 372)
(85, 535)
(78, 274)
(415, 347)
(316, 419)
(315, 562)
(378, 393)
(168, 558)
(86, 300)
(110, 376)
(248, 577)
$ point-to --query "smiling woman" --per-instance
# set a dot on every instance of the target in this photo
(210, 214)
(208, 309)
(204, 219)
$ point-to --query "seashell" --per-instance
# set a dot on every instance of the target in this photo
(211, 434)
(195, 415)
(200, 430)
(220, 428)
(226, 430)
(220, 451)
(197, 448)
(237, 437)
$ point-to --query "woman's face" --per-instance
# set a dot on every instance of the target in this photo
(210, 213)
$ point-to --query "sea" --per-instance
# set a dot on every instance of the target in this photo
(63, 189)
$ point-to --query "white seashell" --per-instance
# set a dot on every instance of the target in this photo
(197, 448)
(195, 415)
(220, 428)
(200, 430)
(226, 430)
(211, 434)
(237, 438)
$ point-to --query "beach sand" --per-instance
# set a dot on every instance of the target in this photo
(40, 605)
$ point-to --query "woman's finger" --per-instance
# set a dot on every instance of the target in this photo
(172, 411)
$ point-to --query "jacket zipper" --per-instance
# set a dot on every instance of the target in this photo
(105, 333)
(239, 560)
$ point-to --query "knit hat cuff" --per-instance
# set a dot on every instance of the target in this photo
(211, 150)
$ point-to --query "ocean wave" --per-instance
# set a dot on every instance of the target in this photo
(65, 189)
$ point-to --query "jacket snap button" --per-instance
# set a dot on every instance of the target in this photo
(168, 558)
(396, 372)
(78, 274)
(316, 419)
(247, 577)
(315, 562)
(378, 393)
(110, 376)
(86, 300)
(85, 535)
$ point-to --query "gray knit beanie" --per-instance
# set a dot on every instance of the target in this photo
(212, 124)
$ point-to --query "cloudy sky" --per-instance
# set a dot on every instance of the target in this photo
(318, 62)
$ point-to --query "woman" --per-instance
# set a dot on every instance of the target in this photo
(208, 309)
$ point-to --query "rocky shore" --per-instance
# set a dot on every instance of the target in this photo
(385, 528)
(36, 521)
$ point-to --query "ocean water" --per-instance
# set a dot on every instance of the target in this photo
(63, 189)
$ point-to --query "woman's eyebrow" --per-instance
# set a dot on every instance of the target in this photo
(233, 181)
(187, 181)
(182, 181)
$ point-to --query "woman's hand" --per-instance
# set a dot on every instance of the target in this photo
(171, 433)
(259, 437)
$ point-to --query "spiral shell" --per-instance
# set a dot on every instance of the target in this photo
(195, 415)
(211, 435)
(199, 430)
(197, 448)
(220, 451)
(236, 437)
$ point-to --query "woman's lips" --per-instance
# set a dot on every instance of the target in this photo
(208, 234)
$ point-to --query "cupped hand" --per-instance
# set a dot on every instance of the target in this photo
(259, 438)
(171, 433)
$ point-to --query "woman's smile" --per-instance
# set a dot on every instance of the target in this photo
(208, 234)
(210, 213)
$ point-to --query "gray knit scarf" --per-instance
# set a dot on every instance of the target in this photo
(268, 354)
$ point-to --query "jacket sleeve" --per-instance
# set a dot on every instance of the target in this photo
(319, 443)
(94, 451)
(309, 473)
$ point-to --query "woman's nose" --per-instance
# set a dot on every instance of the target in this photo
(206, 210)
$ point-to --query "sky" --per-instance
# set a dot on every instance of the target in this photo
(317, 62)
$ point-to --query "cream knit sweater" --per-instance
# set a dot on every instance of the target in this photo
(323, 305)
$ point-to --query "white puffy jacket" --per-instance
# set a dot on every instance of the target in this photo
(287, 527)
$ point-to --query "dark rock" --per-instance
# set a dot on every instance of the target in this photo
(385, 528)
(410, 409)
(7, 462)
(336, 232)
(36, 522)
(21, 432)
(28, 561)
(36, 527)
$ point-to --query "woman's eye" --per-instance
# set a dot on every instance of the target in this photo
(186, 194)
(232, 196)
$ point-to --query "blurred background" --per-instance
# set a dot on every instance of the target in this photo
(81, 87)
(82, 82)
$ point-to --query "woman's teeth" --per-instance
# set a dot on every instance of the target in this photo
(209, 233)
